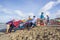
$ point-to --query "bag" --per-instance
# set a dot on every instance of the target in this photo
(21, 25)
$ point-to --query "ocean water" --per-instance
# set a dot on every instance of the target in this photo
(2, 26)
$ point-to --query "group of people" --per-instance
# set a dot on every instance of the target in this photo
(20, 24)
(43, 19)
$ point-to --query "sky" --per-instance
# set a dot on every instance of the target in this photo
(21, 9)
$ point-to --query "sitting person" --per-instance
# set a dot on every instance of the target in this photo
(13, 25)
(17, 24)
(28, 24)
(9, 26)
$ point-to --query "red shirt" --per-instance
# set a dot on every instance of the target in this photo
(17, 23)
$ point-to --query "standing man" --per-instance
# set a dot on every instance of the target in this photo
(42, 18)
(47, 20)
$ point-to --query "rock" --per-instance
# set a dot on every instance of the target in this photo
(37, 33)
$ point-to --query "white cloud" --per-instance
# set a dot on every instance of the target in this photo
(10, 11)
(58, 1)
(18, 12)
(7, 11)
(57, 14)
(13, 13)
(49, 6)
(54, 15)
(10, 14)
(0, 6)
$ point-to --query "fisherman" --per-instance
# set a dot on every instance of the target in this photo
(42, 18)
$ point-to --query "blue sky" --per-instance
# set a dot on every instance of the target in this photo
(20, 9)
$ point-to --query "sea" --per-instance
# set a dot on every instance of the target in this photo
(3, 26)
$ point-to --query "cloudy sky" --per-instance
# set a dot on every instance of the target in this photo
(20, 9)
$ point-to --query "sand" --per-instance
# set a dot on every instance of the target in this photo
(37, 33)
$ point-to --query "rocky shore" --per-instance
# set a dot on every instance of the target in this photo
(37, 33)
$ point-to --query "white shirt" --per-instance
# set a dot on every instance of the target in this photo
(34, 20)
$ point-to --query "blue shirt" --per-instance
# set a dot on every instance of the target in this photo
(42, 16)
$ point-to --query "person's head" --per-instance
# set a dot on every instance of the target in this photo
(13, 20)
(29, 16)
(47, 16)
(33, 16)
(42, 13)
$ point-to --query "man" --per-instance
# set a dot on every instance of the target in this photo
(29, 18)
(28, 23)
(47, 19)
(42, 19)
(34, 21)
(42, 16)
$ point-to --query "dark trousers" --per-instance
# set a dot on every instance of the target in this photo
(11, 28)
(47, 22)
(28, 25)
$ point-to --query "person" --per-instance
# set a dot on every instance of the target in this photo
(47, 20)
(29, 18)
(17, 24)
(22, 26)
(33, 23)
(9, 24)
(28, 23)
(24, 20)
(42, 18)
